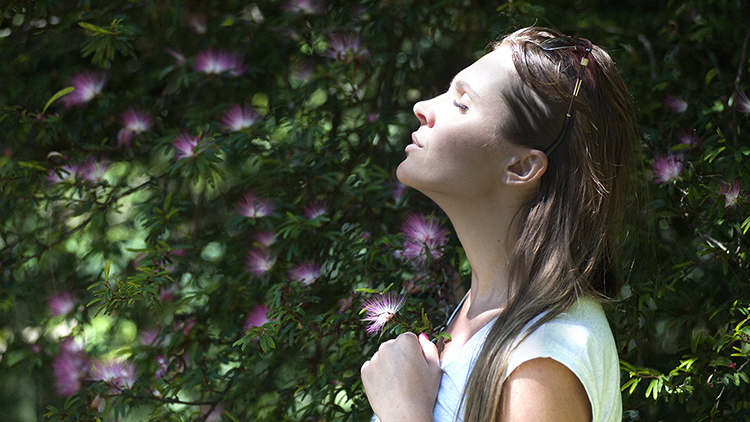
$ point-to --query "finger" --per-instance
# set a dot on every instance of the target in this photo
(429, 350)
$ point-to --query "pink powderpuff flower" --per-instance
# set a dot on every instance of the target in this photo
(316, 209)
(743, 103)
(197, 22)
(305, 273)
(168, 294)
(260, 261)
(119, 375)
(179, 59)
(88, 84)
(134, 122)
(253, 207)
(422, 234)
(256, 317)
(163, 367)
(380, 309)
(307, 7)
(346, 48)
(302, 72)
(675, 104)
(67, 172)
(93, 170)
(69, 368)
(187, 146)
(152, 337)
(214, 415)
(667, 168)
(61, 304)
(265, 238)
(399, 190)
(731, 193)
(239, 117)
(688, 137)
(217, 62)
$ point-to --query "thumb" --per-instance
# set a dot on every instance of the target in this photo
(429, 350)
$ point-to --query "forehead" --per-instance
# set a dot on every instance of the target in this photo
(490, 73)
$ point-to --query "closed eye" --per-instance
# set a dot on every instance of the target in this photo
(461, 106)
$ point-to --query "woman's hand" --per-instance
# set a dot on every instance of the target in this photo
(402, 379)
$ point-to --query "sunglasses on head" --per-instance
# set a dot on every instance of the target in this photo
(569, 43)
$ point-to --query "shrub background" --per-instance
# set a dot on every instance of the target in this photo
(131, 284)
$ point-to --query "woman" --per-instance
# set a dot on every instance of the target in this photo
(528, 155)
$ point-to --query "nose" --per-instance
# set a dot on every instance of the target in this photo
(424, 113)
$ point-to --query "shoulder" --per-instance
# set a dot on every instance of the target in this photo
(580, 342)
(543, 389)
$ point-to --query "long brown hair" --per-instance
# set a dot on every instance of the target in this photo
(567, 235)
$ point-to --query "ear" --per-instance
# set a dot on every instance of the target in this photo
(525, 167)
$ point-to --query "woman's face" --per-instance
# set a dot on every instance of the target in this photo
(456, 150)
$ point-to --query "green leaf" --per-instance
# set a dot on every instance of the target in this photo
(61, 93)
(94, 28)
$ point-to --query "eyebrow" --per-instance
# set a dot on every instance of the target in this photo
(465, 86)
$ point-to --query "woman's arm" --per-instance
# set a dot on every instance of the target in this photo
(544, 390)
(402, 379)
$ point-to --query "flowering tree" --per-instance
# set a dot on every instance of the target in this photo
(199, 218)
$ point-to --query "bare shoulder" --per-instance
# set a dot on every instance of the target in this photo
(544, 389)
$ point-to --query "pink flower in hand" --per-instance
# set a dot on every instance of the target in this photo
(379, 309)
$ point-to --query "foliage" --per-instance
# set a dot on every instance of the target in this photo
(139, 279)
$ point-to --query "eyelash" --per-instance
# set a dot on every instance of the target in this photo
(461, 106)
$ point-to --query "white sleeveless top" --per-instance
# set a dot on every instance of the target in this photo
(579, 338)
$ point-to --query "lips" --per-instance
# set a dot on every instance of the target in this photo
(414, 140)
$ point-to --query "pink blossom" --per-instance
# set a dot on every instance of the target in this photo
(346, 303)
(88, 84)
(675, 104)
(213, 416)
(379, 310)
(316, 209)
(265, 238)
(61, 304)
(66, 172)
(305, 273)
(423, 235)
(259, 261)
(667, 168)
(217, 62)
(187, 146)
(162, 366)
(69, 367)
(237, 117)
(179, 59)
(186, 325)
(118, 374)
(152, 337)
(253, 207)
(168, 294)
(93, 170)
(256, 317)
(197, 22)
(731, 193)
(346, 48)
(134, 122)
(743, 103)
(307, 7)
(302, 71)
(399, 190)
(688, 137)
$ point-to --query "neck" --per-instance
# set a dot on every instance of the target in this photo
(483, 225)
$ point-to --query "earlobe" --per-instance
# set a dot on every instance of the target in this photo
(525, 168)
